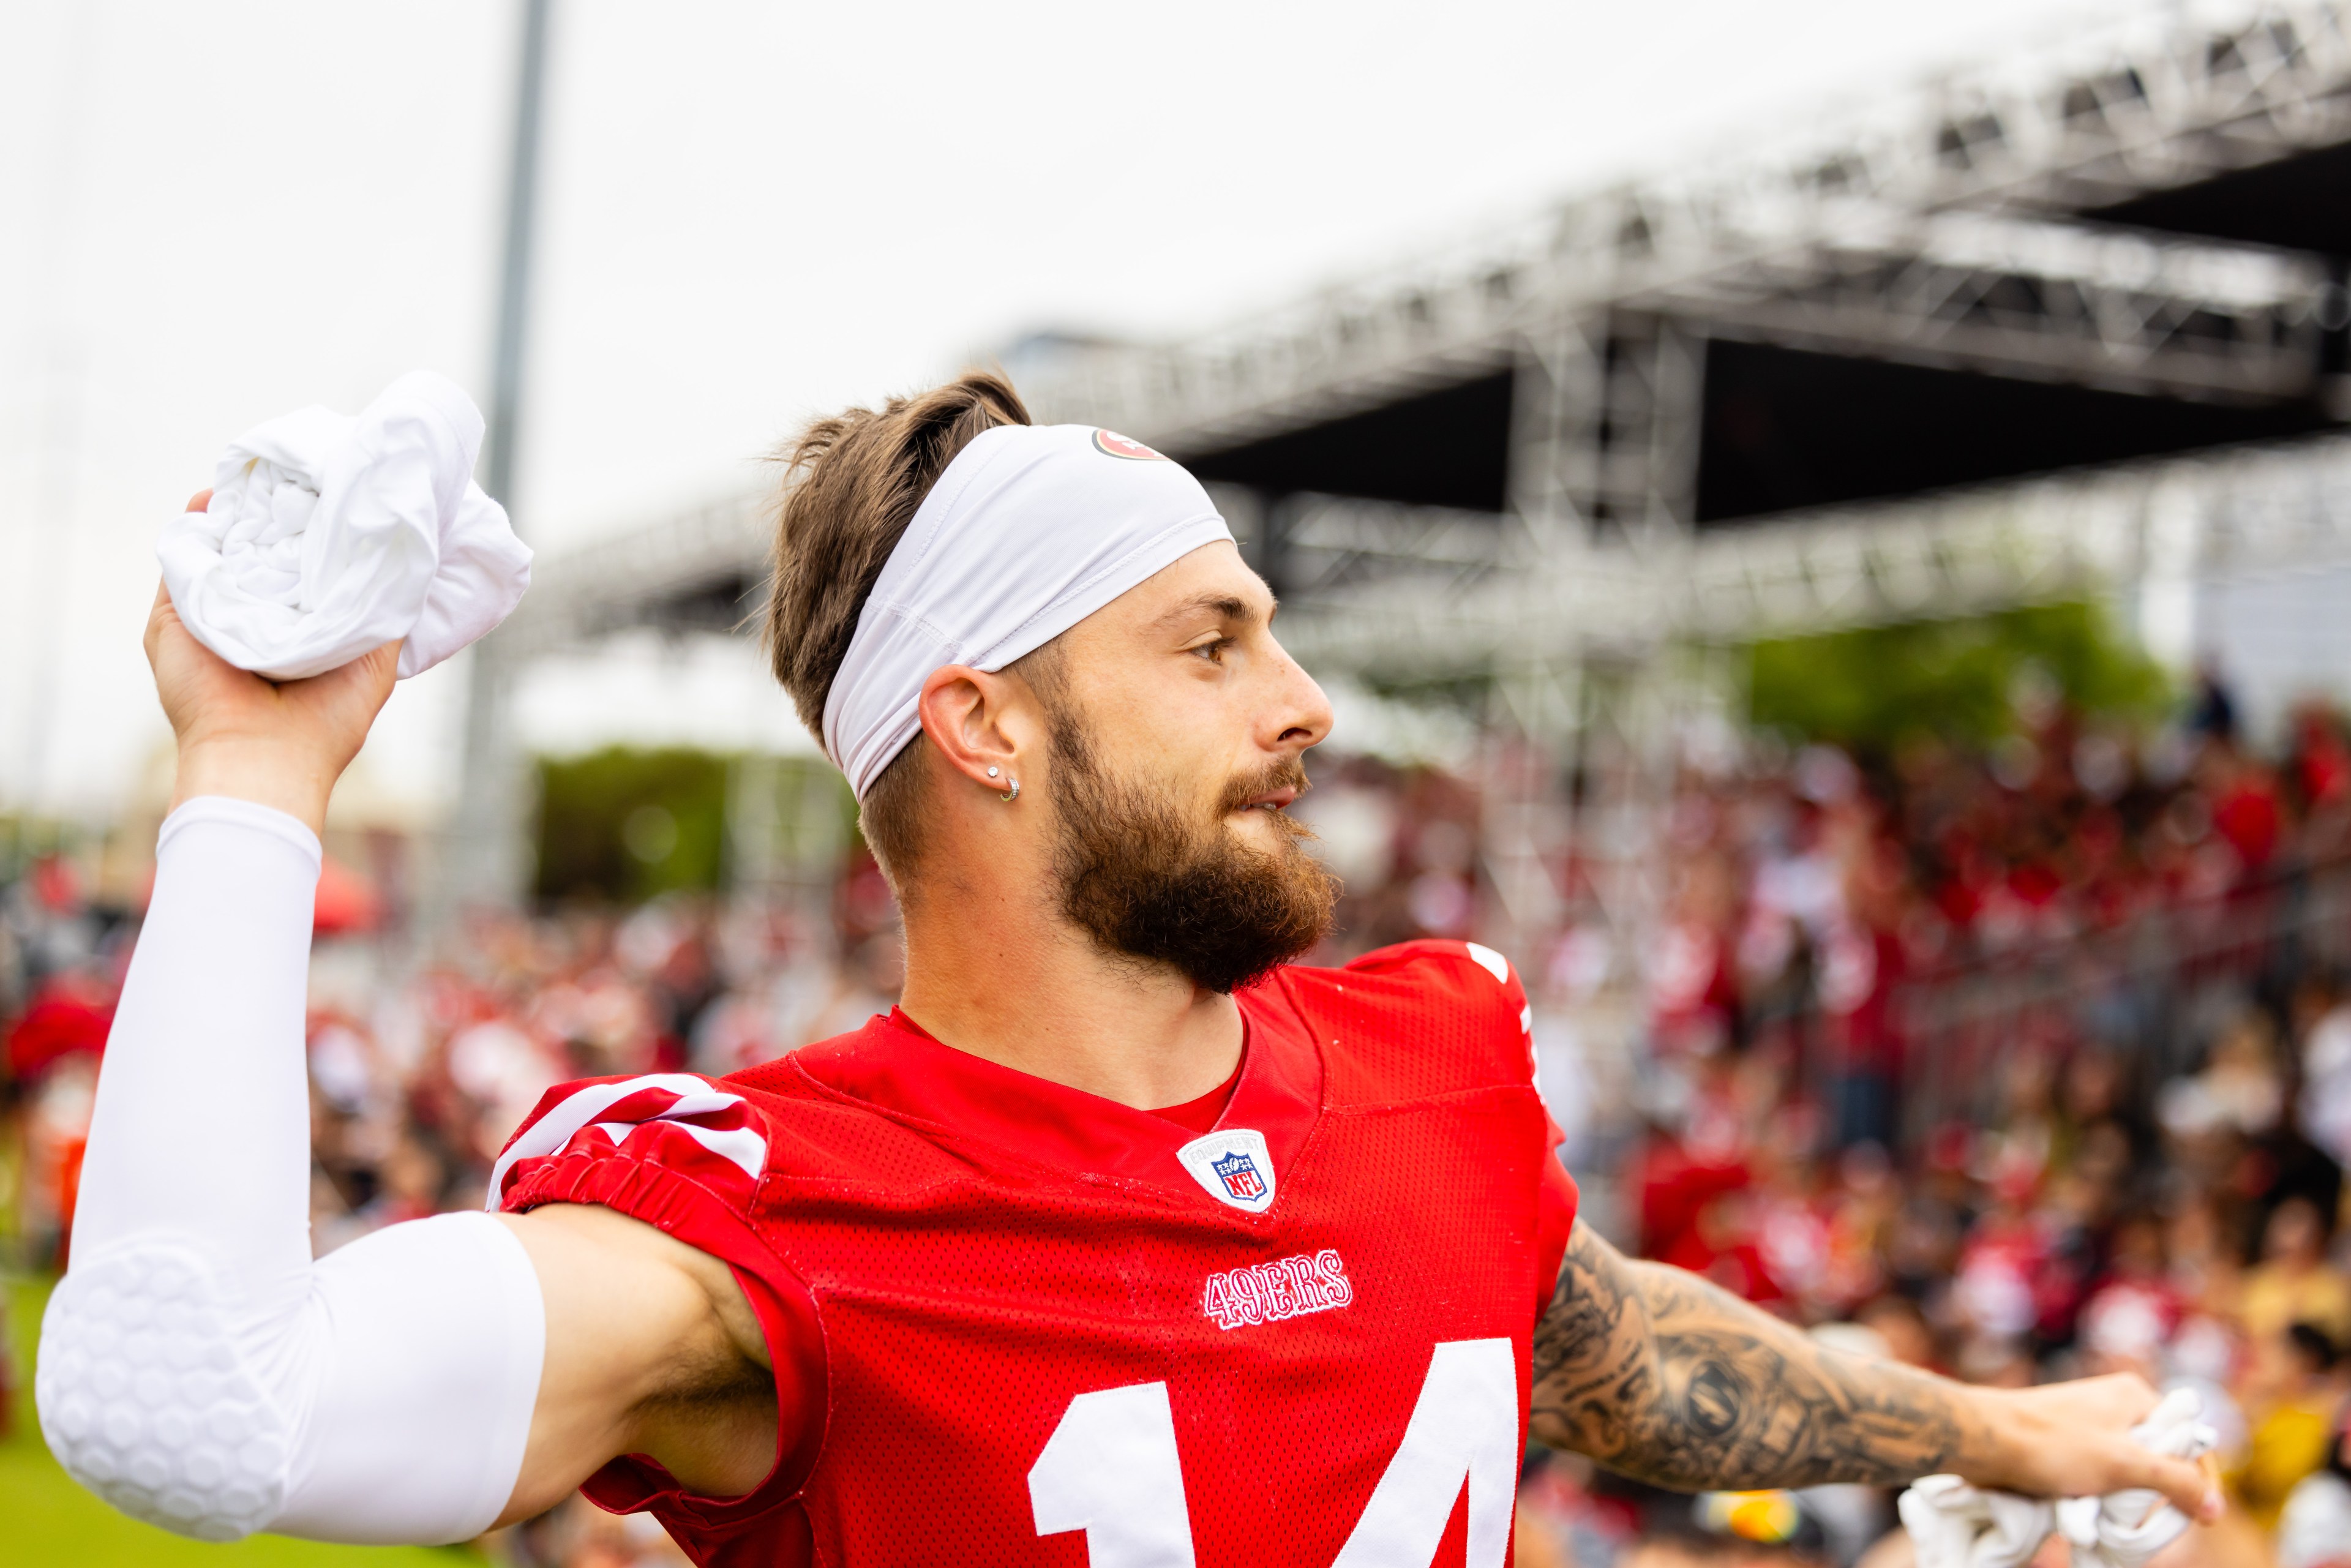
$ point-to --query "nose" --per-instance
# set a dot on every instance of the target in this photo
(1301, 717)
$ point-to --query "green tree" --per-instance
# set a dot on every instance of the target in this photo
(1955, 680)
(627, 823)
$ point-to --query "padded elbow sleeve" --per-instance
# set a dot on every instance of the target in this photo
(388, 1400)
(145, 1400)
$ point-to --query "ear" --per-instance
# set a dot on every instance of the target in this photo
(977, 721)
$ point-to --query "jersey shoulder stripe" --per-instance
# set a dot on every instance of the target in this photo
(681, 1122)
(767, 1132)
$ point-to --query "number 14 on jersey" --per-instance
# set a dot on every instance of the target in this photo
(1112, 1469)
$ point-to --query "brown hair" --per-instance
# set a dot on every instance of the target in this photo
(851, 484)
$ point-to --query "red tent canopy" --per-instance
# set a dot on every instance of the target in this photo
(66, 1017)
(346, 902)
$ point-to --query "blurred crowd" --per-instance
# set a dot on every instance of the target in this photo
(2016, 1062)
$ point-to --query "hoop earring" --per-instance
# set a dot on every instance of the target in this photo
(1013, 793)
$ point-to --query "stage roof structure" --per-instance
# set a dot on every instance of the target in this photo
(1915, 360)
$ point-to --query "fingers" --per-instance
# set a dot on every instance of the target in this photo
(164, 617)
(376, 663)
(155, 614)
(2072, 1439)
(2191, 1486)
(382, 669)
(343, 702)
(375, 671)
(2184, 1483)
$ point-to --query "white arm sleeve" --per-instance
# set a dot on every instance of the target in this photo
(198, 1369)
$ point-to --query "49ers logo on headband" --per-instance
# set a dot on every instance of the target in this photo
(1118, 446)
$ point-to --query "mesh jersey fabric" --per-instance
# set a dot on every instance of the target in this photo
(953, 1261)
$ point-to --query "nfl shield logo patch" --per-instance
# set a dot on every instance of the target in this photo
(1234, 1166)
(1238, 1173)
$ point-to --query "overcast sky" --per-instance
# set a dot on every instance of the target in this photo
(218, 212)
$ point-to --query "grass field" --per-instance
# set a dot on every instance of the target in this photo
(47, 1521)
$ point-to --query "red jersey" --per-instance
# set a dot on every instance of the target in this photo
(1013, 1322)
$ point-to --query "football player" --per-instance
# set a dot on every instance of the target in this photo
(1120, 1240)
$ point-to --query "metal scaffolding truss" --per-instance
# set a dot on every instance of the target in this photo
(1503, 598)
(2207, 518)
(2004, 295)
(1415, 592)
(2035, 299)
(686, 571)
(1930, 231)
(1330, 545)
(2142, 105)
(1855, 217)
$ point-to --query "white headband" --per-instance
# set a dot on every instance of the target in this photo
(1031, 528)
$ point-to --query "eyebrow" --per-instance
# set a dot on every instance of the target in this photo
(1227, 606)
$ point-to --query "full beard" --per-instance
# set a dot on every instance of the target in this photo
(1144, 877)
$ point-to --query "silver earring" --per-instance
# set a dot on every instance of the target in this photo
(1013, 794)
(993, 770)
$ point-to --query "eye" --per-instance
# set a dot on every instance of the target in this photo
(1214, 652)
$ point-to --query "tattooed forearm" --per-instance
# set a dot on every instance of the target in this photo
(1656, 1373)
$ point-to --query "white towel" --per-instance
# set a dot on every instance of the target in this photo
(331, 536)
(1955, 1525)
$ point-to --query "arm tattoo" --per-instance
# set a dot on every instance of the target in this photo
(1656, 1373)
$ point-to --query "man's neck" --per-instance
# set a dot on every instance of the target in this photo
(1028, 990)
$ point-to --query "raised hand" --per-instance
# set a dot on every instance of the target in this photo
(241, 736)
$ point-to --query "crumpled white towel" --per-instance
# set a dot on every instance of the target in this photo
(331, 536)
(1955, 1525)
